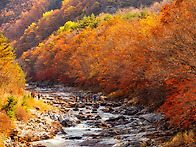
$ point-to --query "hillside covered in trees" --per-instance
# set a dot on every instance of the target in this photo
(151, 57)
(106, 46)
(29, 22)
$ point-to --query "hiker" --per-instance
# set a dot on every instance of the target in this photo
(76, 98)
(89, 98)
(80, 97)
(85, 98)
(38, 96)
(31, 94)
(94, 97)
(125, 100)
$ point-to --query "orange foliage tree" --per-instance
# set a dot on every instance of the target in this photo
(178, 48)
(180, 104)
(129, 58)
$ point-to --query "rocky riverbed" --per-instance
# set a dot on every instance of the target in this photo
(89, 124)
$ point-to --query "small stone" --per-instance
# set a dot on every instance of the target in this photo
(39, 145)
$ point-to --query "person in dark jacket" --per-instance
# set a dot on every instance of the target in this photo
(38, 96)
(94, 97)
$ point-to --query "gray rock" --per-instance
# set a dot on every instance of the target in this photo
(151, 117)
(131, 111)
(134, 143)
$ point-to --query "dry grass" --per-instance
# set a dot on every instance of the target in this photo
(31, 102)
(4, 98)
(181, 140)
(21, 115)
(1, 140)
(39, 103)
(5, 124)
(56, 124)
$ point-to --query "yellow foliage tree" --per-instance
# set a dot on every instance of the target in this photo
(12, 78)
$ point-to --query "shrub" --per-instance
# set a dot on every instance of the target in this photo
(21, 115)
(25, 101)
(5, 124)
(10, 106)
(181, 139)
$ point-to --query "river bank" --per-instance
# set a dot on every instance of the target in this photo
(101, 123)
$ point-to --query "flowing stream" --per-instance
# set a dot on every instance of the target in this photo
(97, 123)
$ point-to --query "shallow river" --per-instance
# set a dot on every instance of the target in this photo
(103, 125)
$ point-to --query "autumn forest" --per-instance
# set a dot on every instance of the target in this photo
(127, 49)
